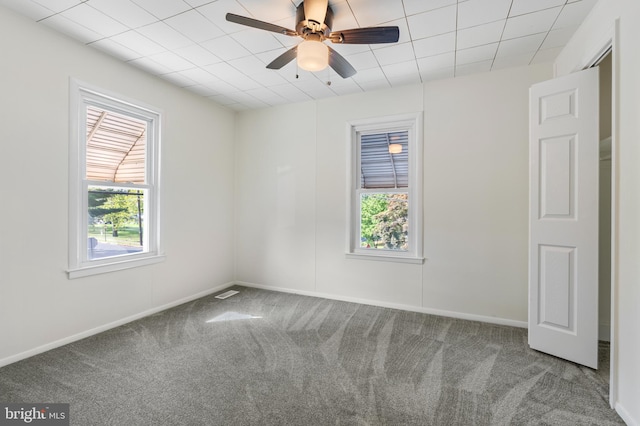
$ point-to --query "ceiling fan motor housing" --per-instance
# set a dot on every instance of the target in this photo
(305, 26)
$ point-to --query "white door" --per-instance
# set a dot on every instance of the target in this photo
(563, 217)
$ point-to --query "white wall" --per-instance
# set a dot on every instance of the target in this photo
(291, 171)
(39, 305)
(626, 297)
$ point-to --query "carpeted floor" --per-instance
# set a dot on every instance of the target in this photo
(268, 358)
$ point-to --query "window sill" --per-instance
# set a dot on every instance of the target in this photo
(119, 265)
(386, 258)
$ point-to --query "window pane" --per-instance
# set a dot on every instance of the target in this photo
(115, 146)
(116, 222)
(384, 221)
(384, 160)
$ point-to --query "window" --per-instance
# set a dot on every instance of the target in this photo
(114, 158)
(385, 208)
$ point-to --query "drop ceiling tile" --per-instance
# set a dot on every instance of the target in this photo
(195, 33)
(163, 9)
(116, 49)
(309, 83)
(369, 13)
(476, 54)
(58, 5)
(221, 86)
(363, 60)
(345, 89)
(222, 70)
(375, 84)
(520, 45)
(478, 12)
(394, 54)
(513, 61)
(164, 35)
(138, 43)
(217, 10)
(194, 26)
(435, 45)
(435, 22)
(246, 99)
(196, 3)
(267, 96)
(573, 14)
(370, 74)
(198, 55)
(256, 41)
(202, 90)
(238, 107)
(150, 66)
(474, 68)
(436, 62)
(248, 65)
(343, 85)
(268, 11)
(343, 18)
(71, 28)
(222, 99)
(402, 74)
(292, 93)
(94, 19)
(558, 38)
(268, 78)
(172, 61)
(437, 74)
(309, 80)
(28, 8)
(320, 93)
(546, 55)
(531, 23)
(124, 11)
(226, 48)
(413, 7)
(520, 7)
(199, 75)
(178, 79)
(481, 34)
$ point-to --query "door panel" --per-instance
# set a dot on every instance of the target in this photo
(563, 217)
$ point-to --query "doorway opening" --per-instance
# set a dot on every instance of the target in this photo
(604, 214)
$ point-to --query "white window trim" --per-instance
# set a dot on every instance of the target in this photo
(80, 95)
(412, 123)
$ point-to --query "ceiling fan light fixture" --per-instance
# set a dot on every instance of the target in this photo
(313, 55)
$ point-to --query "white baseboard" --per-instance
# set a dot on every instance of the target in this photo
(66, 340)
(440, 312)
(626, 417)
(604, 332)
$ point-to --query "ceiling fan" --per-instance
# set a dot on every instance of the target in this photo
(314, 19)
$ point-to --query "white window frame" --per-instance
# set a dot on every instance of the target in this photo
(413, 124)
(81, 96)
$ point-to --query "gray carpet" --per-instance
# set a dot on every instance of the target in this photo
(268, 358)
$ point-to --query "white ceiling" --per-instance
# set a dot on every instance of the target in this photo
(190, 44)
